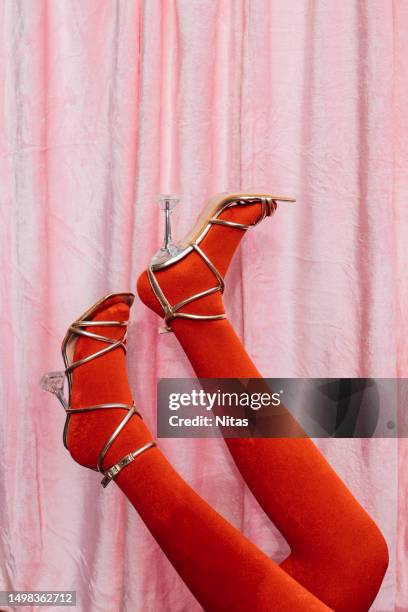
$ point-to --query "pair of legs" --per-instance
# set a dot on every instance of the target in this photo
(338, 556)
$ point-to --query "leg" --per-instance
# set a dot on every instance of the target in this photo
(221, 567)
(321, 520)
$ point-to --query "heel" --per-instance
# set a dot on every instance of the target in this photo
(168, 250)
(53, 382)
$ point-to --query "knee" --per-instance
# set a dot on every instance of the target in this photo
(365, 561)
(374, 556)
(347, 572)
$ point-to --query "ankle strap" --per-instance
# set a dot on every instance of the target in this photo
(114, 470)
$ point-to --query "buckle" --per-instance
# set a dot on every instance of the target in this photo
(113, 471)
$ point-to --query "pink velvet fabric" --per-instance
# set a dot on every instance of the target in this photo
(105, 104)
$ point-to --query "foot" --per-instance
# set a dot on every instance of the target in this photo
(102, 380)
(191, 274)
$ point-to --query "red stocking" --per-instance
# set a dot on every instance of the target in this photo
(337, 551)
(220, 566)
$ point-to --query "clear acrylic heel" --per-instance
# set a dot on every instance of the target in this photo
(169, 249)
(53, 382)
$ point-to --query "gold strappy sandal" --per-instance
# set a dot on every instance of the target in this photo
(53, 382)
(171, 253)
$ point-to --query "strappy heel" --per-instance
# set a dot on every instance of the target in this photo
(210, 216)
(53, 382)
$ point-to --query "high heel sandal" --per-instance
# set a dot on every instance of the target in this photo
(171, 253)
(53, 382)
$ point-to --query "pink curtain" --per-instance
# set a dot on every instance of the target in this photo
(106, 103)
